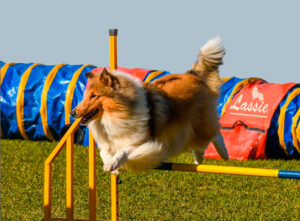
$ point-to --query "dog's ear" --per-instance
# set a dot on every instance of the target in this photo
(109, 80)
(89, 75)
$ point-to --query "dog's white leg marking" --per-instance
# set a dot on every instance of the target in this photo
(150, 153)
(220, 146)
(198, 156)
(105, 156)
(114, 163)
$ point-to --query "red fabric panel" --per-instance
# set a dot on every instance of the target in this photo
(247, 119)
(255, 104)
(242, 144)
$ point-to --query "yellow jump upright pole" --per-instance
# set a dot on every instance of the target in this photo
(67, 139)
(114, 178)
(92, 178)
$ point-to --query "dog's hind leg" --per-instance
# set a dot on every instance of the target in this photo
(220, 146)
(198, 156)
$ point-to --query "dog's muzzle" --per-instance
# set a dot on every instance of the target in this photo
(73, 114)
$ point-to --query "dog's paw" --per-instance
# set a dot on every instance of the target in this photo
(110, 166)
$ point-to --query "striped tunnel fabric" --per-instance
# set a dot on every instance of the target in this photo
(282, 135)
(34, 98)
(153, 75)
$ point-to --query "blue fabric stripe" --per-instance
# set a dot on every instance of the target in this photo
(56, 99)
(289, 174)
(147, 75)
(2, 64)
(273, 147)
(289, 114)
(8, 97)
(159, 76)
(32, 102)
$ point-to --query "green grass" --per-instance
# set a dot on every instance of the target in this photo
(155, 195)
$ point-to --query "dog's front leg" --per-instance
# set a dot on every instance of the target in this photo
(113, 163)
(108, 160)
(105, 156)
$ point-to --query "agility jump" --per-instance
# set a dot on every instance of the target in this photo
(68, 141)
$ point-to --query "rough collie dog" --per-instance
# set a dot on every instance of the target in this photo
(137, 126)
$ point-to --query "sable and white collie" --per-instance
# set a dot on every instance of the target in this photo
(137, 126)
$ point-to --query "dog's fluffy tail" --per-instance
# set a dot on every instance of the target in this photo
(210, 58)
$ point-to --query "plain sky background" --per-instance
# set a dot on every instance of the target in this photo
(261, 37)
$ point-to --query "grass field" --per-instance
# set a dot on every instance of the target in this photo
(155, 195)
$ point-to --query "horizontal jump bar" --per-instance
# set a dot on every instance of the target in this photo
(231, 170)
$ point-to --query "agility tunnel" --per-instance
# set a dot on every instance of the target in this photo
(36, 99)
(259, 119)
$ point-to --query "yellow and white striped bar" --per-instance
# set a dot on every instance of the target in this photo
(246, 171)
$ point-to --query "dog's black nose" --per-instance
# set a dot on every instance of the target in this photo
(73, 113)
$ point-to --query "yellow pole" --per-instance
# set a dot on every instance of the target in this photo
(92, 177)
(63, 141)
(69, 176)
(113, 33)
(48, 168)
(47, 192)
(114, 198)
(230, 170)
(114, 178)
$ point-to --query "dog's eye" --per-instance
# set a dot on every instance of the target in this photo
(92, 96)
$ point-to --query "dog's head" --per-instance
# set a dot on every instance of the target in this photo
(106, 92)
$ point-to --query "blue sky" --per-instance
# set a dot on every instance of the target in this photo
(261, 37)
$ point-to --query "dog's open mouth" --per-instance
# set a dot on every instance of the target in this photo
(89, 115)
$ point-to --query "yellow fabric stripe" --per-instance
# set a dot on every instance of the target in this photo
(2, 75)
(226, 170)
(152, 75)
(294, 134)
(4, 70)
(238, 87)
(298, 132)
(226, 79)
(281, 118)
(70, 93)
(20, 101)
(43, 110)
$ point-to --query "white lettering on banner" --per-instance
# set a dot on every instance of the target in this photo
(252, 106)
